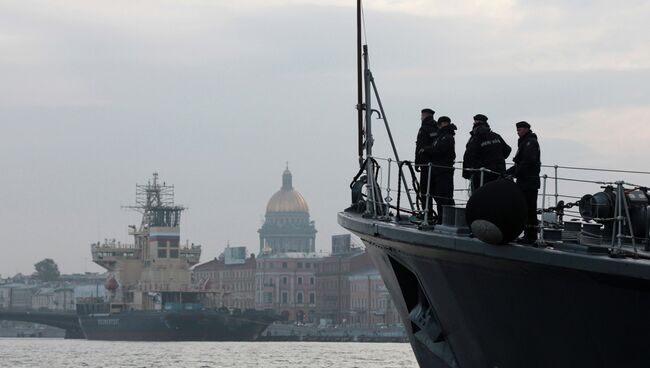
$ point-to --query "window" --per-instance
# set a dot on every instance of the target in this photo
(308, 265)
(299, 297)
(299, 280)
(284, 264)
(311, 281)
(312, 298)
(162, 253)
(268, 298)
(271, 265)
(173, 253)
(299, 264)
(285, 297)
(284, 280)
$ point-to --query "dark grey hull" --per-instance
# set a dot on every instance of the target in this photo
(469, 304)
(174, 326)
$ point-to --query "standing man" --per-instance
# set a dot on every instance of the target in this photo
(486, 149)
(443, 152)
(426, 135)
(526, 171)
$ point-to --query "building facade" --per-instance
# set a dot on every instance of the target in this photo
(231, 277)
(286, 265)
(54, 299)
(286, 283)
(332, 281)
(370, 302)
(17, 296)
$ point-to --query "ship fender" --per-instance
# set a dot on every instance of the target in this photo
(496, 212)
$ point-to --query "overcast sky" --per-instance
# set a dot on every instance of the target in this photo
(216, 96)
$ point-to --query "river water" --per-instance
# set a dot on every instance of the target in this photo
(59, 353)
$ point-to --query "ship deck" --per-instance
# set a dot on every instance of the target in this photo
(409, 237)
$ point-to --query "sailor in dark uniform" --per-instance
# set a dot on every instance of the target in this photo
(443, 153)
(486, 149)
(526, 171)
(426, 135)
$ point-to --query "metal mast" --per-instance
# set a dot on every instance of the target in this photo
(368, 86)
(155, 202)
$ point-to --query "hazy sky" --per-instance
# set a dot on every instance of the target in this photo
(216, 96)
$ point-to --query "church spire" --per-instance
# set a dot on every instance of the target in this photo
(287, 179)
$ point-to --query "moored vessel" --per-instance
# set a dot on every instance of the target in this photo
(578, 298)
(151, 296)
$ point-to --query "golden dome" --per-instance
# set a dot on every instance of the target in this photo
(287, 199)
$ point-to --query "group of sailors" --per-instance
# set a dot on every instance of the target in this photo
(483, 162)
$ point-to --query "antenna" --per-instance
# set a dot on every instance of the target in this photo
(359, 85)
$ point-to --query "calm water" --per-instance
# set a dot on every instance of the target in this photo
(58, 353)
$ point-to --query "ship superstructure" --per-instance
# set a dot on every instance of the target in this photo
(155, 269)
(151, 296)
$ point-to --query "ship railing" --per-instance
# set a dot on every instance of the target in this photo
(391, 178)
(108, 254)
(99, 245)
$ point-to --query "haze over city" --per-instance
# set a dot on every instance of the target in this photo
(218, 96)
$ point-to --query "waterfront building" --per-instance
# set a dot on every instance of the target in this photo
(5, 296)
(370, 303)
(291, 278)
(286, 265)
(17, 296)
(61, 295)
(332, 282)
(286, 283)
(86, 285)
(231, 278)
(54, 299)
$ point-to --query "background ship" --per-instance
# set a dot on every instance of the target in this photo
(579, 299)
(151, 294)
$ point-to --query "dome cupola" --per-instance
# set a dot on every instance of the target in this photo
(287, 199)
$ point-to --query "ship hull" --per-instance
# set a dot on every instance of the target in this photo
(463, 307)
(173, 326)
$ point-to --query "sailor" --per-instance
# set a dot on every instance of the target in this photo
(443, 154)
(526, 170)
(426, 135)
(486, 149)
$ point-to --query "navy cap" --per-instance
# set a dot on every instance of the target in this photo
(523, 124)
(480, 117)
(428, 111)
(444, 119)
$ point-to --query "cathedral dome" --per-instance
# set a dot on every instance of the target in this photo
(287, 199)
